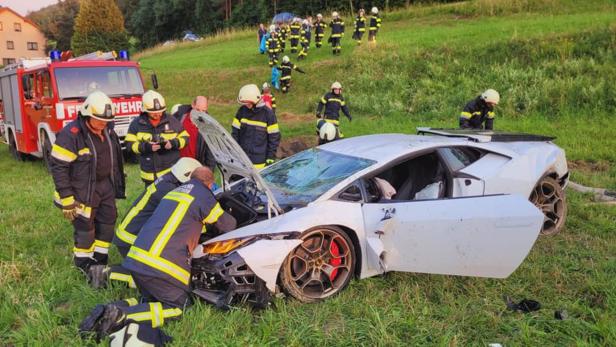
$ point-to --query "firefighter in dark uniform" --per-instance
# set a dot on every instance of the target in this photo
(337, 32)
(479, 111)
(375, 24)
(319, 30)
(159, 260)
(286, 69)
(87, 170)
(283, 32)
(255, 127)
(329, 109)
(294, 34)
(156, 137)
(360, 26)
(273, 48)
(304, 40)
(142, 209)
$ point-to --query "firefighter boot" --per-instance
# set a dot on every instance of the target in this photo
(102, 321)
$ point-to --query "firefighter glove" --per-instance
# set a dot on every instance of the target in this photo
(70, 212)
(350, 118)
(269, 162)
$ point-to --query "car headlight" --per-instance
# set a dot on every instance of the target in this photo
(226, 246)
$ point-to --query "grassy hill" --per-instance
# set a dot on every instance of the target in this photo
(554, 63)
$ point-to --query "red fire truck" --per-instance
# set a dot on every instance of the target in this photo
(40, 96)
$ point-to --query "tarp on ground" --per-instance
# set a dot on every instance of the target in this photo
(283, 17)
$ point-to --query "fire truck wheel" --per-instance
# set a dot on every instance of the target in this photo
(13, 148)
(46, 147)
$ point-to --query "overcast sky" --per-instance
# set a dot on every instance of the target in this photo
(24, 6)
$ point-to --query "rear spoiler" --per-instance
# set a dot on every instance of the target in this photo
(484, 135)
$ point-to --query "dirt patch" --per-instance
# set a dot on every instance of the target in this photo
(288, 147)
(288, 117)
(587, 166)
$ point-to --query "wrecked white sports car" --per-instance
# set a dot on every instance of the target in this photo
(445, 202)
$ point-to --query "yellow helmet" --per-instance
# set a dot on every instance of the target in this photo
(99, 106)
(184, 167)
(249, 93)
(153, 102)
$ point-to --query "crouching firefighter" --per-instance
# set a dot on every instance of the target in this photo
(329, 110)
(479, 111)
(143, 208)
(156, 137)
(159, 260)
(88, 174)
(255, 127)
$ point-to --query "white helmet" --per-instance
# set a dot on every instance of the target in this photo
(305, 22)
(285, 59)
(327, 132)
(153, 102)
(491, 96)
(374, 10)
(336, 85)
(265, 86)
(319, 15)
(98, 106)
(175, 108)
(272, 28)
(249, 93)
(184, 167)
(335, 14)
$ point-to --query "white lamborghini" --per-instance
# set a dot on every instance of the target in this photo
(440, 202)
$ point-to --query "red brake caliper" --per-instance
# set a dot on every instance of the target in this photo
(334, 261)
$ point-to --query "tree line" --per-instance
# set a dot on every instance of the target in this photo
(149, 22)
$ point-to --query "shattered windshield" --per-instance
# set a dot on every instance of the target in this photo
(303, 177)
(79, 82)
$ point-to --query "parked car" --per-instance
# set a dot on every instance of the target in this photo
(467, 204)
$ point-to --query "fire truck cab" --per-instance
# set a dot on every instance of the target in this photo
(38, 97)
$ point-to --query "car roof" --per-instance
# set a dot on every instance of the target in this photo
(385, 147)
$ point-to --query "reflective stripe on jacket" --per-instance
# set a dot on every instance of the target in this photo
(141, 132)
(375, 22)
(256, 131)
(337, 26)
(319, 28)
(164, 245)
(73, 166)
(333, 104)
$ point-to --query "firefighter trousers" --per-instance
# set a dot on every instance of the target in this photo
(336, 45)
(273, 59)
(93, 235)
(318, 41)
(294, 44)
(160, 301)
(372, 36)
(285, 85)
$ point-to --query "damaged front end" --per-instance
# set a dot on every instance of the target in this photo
(239, 271)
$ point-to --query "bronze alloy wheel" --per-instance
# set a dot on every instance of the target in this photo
(319, 267)
(549, 197)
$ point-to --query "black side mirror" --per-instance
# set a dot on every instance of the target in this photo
(154, 81)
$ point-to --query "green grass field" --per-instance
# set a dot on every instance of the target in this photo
(554, 63)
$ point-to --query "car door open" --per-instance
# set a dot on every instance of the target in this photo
(487, 236)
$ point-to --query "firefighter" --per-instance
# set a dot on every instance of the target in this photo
(255, 127)
(375, 24)
(268, 98)
(159, 260)
(360, 26)
(142, 209)
(286, 69)
(156, 137)
(305, 37)
(479, 111)
(87, 170)
(337, 32)
(294, 34)
(283, 32)
(273, 45)
(329, 109)
(197, 147)
(319, 30)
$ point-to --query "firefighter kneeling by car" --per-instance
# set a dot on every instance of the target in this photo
(86, 165)
(159, 260)
(156, 137)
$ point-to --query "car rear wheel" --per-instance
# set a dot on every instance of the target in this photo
(46, 147)
(319, 267)
(550, 198)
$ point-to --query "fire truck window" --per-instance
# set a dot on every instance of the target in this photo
(77, 83)
(28, 84)
(46, 85)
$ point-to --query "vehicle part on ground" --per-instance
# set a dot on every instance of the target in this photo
(600, 194)
(321, 266)
(550, 198)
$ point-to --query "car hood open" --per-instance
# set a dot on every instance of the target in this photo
(230, 157)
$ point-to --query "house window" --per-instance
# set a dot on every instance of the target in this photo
(33, 46)
(17, 26)
(8, 61)
(10, 45)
